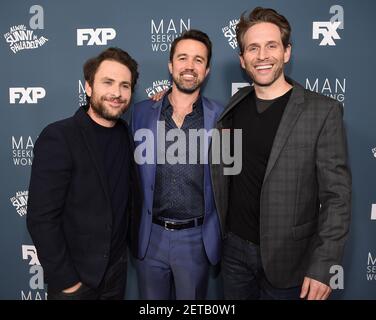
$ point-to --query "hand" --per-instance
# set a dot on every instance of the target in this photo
(159, 95)
(316, 290)
(74, 288)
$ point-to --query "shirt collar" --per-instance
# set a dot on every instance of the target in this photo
(166, 104)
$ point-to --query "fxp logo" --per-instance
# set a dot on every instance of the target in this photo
(328, 29)
(99, 36)
(22, 95)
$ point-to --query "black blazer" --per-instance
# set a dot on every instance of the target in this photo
(69, 211)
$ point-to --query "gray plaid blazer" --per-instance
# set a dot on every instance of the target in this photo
(306, 193)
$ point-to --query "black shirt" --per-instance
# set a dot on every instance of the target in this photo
(258, 132)
(114, 148)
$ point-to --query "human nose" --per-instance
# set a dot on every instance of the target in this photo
(190, 64)
(115, 91)
(262, 54)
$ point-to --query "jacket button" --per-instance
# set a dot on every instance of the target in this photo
(105, 256)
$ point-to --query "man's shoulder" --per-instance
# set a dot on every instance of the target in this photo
(216, 105)
(143, 107)
(61, 124)
(145, 103)
(61, 127)
(319, 100)
(240, 94)
(312, 99)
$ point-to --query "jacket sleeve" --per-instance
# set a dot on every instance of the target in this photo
(334, 180)
(49, 183)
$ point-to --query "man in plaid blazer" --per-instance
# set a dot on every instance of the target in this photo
(286, 216)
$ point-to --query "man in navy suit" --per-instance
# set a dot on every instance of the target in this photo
(179, 232)
(83, 187)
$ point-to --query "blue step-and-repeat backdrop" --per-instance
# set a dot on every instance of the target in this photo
(44, 44)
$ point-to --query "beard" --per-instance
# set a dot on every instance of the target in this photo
(263, 81)
(105, 112)
(274, 77)
(187, 88)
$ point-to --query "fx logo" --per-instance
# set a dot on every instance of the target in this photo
(97, 37)
(328, 29)
(30, 251)
(26, 95)
(236, 86)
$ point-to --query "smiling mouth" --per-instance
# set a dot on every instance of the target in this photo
(264, 67)
(116, 103)
(188, 76)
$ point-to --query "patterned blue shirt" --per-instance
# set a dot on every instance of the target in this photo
(179, 188)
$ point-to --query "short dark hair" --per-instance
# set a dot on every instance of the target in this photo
(115, 54)
(193, 34)
(259, 15)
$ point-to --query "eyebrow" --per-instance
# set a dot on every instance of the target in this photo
(185, 54)
(110, 79)
(257, 44)
(107, 78)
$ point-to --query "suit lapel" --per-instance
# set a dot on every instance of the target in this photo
(209, 118)
(152, 119)
(290, 116)
(209, 124)
(235, 99)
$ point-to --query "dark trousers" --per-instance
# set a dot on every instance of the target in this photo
(175, 265)
(243, 274)
(112, 287)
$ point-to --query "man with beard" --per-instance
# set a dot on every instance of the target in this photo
(287, 214)
(83, 187)
(179, 233)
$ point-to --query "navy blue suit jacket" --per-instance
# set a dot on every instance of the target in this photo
(145, 116)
